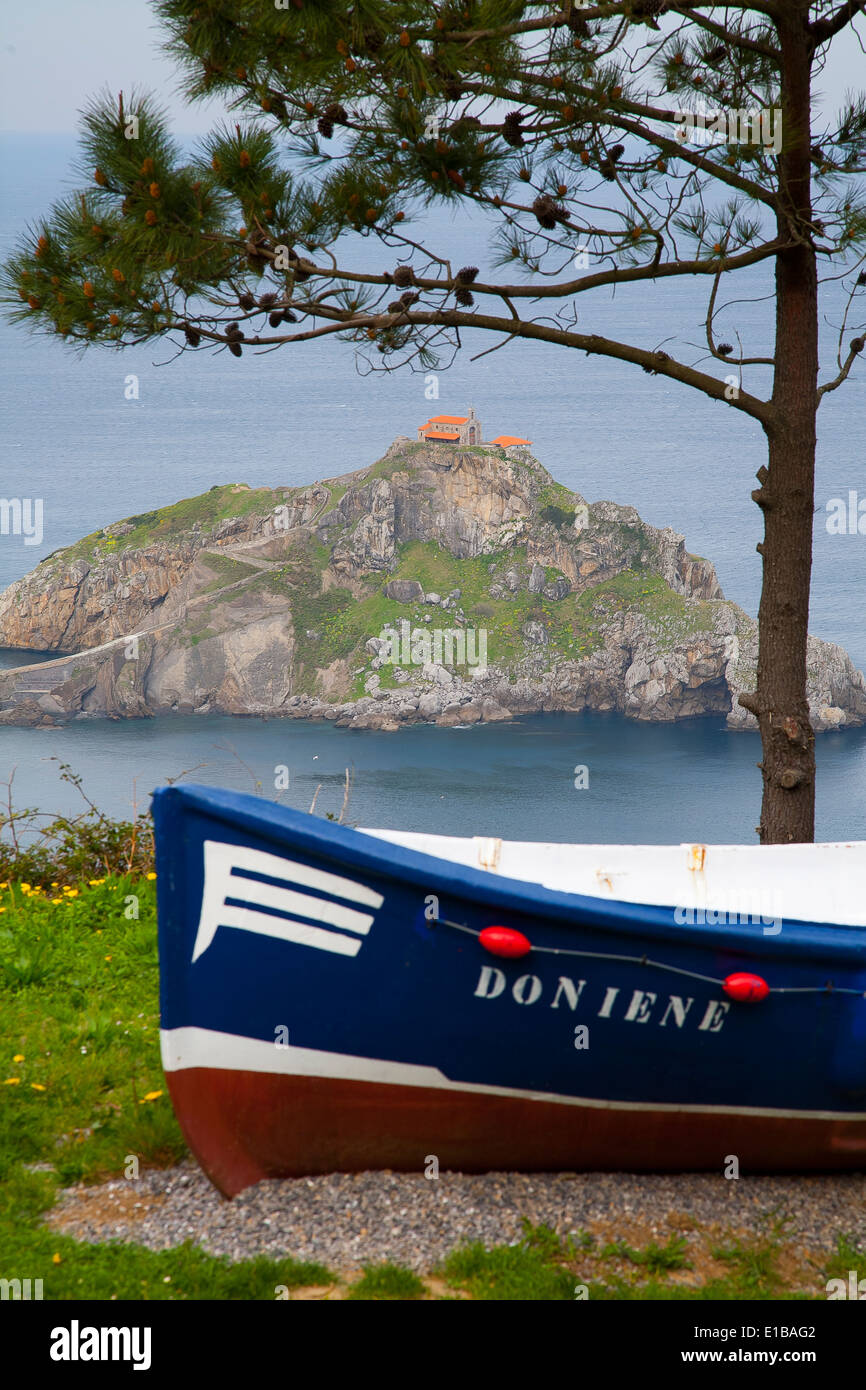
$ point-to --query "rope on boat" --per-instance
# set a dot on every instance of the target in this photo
(828, 988)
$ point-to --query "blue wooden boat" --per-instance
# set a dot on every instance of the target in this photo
(339, 999)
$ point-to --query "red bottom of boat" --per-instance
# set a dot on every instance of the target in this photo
(245, 1126)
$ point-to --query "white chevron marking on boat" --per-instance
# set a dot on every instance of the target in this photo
(230, 899)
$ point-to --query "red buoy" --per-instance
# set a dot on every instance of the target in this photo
(748, 989)
(504, 941)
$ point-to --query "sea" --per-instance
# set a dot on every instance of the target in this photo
(77, 436)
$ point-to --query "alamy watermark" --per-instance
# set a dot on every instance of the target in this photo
(854, 1288)
(754, 915)
(846, 517)
(731, 127)
(421, 646)
(16, 1289)
(22, 516)
(77, 1343)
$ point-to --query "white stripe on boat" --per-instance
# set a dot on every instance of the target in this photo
(183, 1048)
(252, 891)
(226, 886)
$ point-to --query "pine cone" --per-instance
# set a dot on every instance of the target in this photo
(335, 114)
(468, 274)
(235, 349)
(548, 212)
(464, 297)
(266, 300)
(254, 244)
(404, 275)
(726, 348)
(295, 266)
(512, 132)
(192, 335)
(607, 165)
(246, 301)
(647, 10)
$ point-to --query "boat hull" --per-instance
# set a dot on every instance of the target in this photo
(246, 1126)
(327, 1005)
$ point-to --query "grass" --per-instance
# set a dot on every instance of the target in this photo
(655, 1258)
(544, 1267)
(82, 1091)
(71, 1269)
(849, 1255)
(387, 1282)
(208, 509)
(79, 986)
(668, 615)
(508, 1272)
(225, 571)
(558, 496)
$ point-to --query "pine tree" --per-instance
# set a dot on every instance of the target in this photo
(570, 124)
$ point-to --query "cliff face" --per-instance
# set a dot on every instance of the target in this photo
(453, 584)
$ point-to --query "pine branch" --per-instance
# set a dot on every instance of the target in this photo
(824, 29)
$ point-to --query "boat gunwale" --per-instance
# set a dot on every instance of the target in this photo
(385, 859)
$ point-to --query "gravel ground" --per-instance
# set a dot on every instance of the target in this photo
(348, 1220)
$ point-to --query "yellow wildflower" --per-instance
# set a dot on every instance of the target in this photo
(12, 1081)
(151, 1095)
(55, 1259)
(34, 1086)
(19, 1057)
(150, 876)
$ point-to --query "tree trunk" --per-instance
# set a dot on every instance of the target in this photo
(786, 494)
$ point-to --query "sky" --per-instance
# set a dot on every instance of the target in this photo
(55, 54)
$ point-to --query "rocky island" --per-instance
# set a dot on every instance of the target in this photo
(444, 583)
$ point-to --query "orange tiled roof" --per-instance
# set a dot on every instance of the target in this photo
(505, 439)
(441, 434)
(447, 419)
